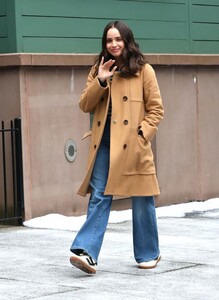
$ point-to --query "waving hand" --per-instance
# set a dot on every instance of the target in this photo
(104, 71)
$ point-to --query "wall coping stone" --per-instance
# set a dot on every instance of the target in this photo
(79, 60)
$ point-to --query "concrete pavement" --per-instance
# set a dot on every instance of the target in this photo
(34, 263)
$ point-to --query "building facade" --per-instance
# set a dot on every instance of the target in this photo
(47, 48)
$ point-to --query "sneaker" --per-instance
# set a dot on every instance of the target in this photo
(84, 262)
(149, 264)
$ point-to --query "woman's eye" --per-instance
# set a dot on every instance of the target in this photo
(119, 39)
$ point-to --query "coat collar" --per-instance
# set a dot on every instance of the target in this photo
(136, 74)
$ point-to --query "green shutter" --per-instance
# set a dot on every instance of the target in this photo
(204, 26)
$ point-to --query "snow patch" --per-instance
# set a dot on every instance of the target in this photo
(60, 222)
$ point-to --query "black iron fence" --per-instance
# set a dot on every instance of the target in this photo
(11, 174)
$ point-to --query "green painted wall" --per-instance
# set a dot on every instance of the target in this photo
(160, 26)
(3, 27)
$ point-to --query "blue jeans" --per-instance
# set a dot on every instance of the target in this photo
(91, 234)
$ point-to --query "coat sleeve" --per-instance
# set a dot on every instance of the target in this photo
(92, 93)
(153, 104)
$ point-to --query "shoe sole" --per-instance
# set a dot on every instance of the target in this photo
(151, 267)
(80, 264)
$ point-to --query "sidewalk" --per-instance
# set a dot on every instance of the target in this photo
(34, 263)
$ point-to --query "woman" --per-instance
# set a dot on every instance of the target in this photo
(123, 94)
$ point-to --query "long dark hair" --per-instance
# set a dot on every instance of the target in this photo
(132, 57)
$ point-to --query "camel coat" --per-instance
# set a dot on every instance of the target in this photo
(136, 112)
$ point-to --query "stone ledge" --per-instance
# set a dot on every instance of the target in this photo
(78, 60)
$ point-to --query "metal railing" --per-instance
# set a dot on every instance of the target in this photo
(11, 185)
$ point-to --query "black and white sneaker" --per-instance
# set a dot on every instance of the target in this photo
(84, 262)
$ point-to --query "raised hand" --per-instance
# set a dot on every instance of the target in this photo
(104, 71)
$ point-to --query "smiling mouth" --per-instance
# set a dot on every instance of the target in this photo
(115, 50)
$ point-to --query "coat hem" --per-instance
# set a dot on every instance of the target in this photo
(133, 195)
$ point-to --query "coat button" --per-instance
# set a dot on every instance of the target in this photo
(125, 122)
(114, 121)
(98, 123)
(95, 146)
(102, 99)
(124, 146)
(125, 98)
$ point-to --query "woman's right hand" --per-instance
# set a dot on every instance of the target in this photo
(104, 71)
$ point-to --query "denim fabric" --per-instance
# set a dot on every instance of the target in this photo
(145, 232)
(91, 234)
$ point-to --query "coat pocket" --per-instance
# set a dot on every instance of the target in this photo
(139, 157)
(87, 134)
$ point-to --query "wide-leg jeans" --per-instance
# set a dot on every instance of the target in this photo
(91, 234)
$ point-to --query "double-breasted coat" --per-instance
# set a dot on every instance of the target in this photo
(136, 112)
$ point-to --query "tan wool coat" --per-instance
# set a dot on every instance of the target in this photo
(136, 105)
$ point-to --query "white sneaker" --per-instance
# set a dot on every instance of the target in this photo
(84, 262)
(149, 264)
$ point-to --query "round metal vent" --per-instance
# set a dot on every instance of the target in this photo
(70, 150)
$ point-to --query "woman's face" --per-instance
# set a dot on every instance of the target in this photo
(114, 43)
